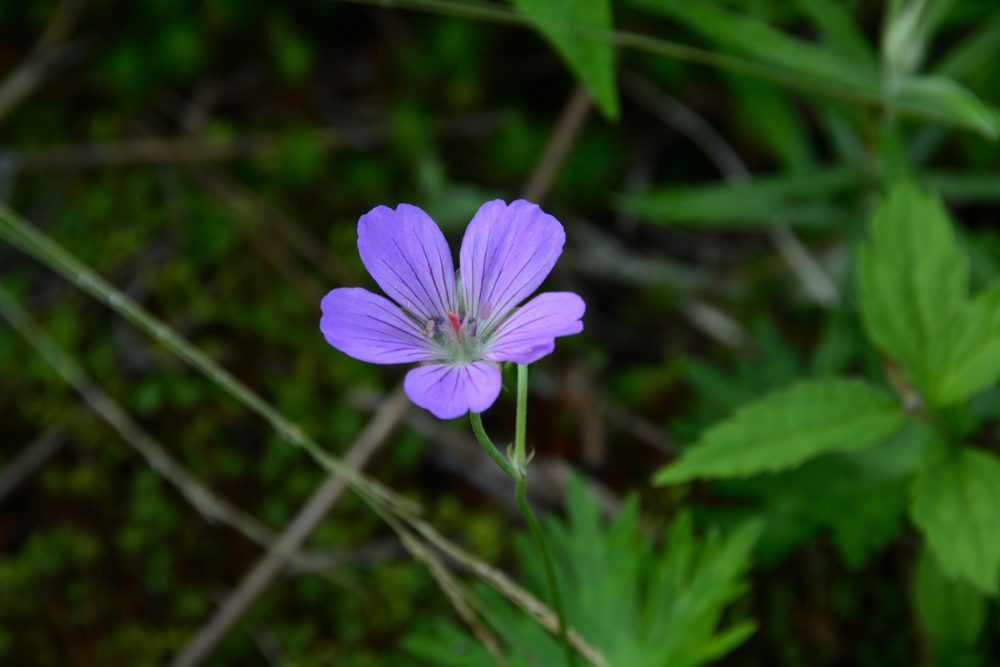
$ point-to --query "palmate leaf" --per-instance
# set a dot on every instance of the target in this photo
(912, 277)
(789, 427)
(579, 31)
(640, 605)
(956, 504)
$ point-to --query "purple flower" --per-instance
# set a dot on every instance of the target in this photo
(458, 330)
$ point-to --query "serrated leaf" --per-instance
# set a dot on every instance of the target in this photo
(579, 30)
(951, 612)
(912, 276)
(859, 498)
(965, 358)
(789, 427)
(956, 505)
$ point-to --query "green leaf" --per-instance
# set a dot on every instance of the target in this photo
(641, 602)
(579, 30)
(972, 53)
(799, 197)
(838, 28)
(956, 504)
(964, 187)
(858, 498)
(946, 100)
(753, 37)
(965, 358)
(911, 26)
(912, 276)
(772, 118)
(789, 427)
(952, 613)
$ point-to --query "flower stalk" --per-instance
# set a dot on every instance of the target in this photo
(516, 467)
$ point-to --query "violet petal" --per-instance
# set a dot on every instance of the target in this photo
(507, 252)
(408, 256)
(528, 334)
(371, 328)
(450, 391)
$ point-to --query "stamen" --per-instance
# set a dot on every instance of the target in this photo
(432, 328)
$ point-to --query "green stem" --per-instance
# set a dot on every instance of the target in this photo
(484, 440)
(520, 425)
(516, 469)
(550, 570)
(521, 461)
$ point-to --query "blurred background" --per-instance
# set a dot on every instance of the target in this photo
(211, 159)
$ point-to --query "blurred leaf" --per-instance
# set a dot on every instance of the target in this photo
(912, 276)
(952, 613)
(965, 358)
(639, 605)
(946, 100)
(963, 188)
(972, 52)
(956, 502)
(800, 197)
(753, 37)
(292, 53)
(911, 25)
(860, 498)
(773, 120)
(838, 28)
(570, 25)
(789, 427)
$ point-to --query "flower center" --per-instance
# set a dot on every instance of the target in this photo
(456, 337)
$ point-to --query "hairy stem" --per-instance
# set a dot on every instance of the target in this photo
(516, 469)
(487, 444)
(520, 460)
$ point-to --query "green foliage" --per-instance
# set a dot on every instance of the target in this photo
(912, 276)
(798, 198)
(946, 99)
(637, 603)
(966, 355)
(753, 37)
(956, 502)
(580, 31)
(788, 427)
(857, 498)
(101, 562)
(951, 612)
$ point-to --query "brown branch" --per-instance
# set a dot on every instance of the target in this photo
(816, 283)
(48, 52)
(260, 576)
(34, 455)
